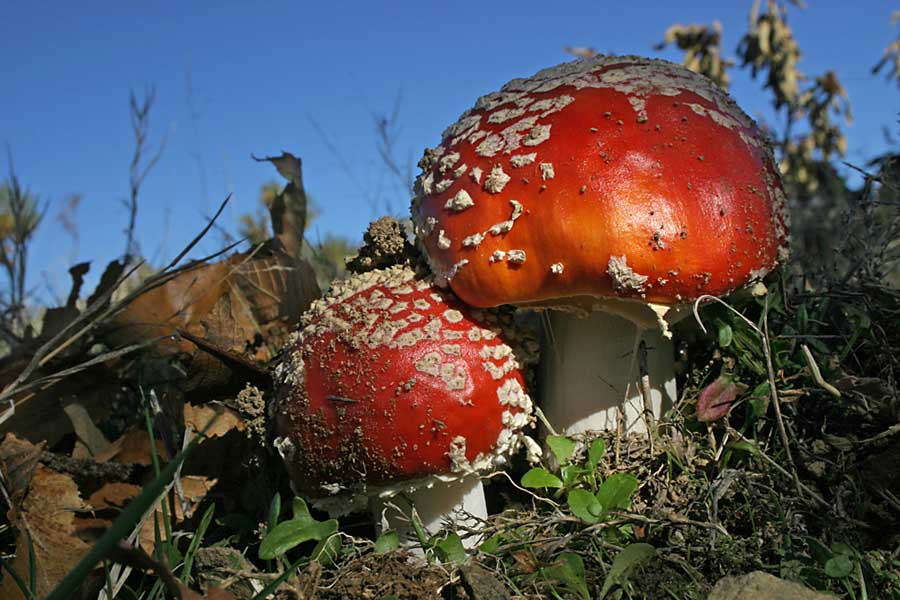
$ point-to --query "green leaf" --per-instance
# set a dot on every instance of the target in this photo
(540, 478)
(726, 335)
(450, 549)
(758, 407)
(743, 446)
(842, 548)
(626, 560)
(562, 447)
(327, 550)
(802, 318)
(818, 550)
(839, 566)
(491, 544)
(595, 453)
(569, 572)
(761, 391)
(616, 491)
(301, 512)
(572, 474)
(270, 588)
(24, 588)
(585, 506)
(274, 510)
(387, 542)
(292, 533)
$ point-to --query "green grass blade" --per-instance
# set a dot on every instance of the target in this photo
(23, 587)
(273, 585)
(196, 541)
(121, 527)
(32, 565)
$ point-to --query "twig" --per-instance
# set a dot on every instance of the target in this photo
(892, 430)
(803, 487)
(139, 169)
(548, 501)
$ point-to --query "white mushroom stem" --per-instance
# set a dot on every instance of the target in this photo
(454, 505)
(590, 369)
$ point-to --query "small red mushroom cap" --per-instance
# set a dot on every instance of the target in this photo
(393, 380)
(609, 177)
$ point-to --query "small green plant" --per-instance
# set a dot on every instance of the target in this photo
(444, 547)
(587, 496)
(568, 573)
(301, 527)
(839, 566)
(593, 500)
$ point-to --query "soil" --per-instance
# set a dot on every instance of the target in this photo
(378, 576)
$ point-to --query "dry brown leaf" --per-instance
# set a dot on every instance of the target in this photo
(44, 516)
(87, 432)
(39, 416)
(113, 495)
(194, 489)
(525, 561)
(197, 417)
(213, 593)
(133, 448)
(242, 306)
(18, 460)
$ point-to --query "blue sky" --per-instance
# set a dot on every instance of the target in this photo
(235, 78)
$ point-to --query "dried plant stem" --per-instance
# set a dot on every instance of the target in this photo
(817, 374)
(646, 392)
(773, 391)
(101, 309)
(770, 372)
(803, 488)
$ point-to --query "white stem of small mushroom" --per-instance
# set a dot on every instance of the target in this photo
(589, 369)
(445, 505)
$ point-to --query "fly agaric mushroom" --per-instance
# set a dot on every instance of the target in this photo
(393, 385)
(621, 188)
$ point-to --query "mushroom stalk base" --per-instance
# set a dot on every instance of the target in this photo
(445, 504)
(588, 365)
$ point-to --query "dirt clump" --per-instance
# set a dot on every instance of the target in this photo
(376, 576)
(384, 244)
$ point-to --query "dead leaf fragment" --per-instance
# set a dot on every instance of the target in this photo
(18, 460)
(216, 314)
(113, 495)
(193, 490)
(87, 432)
(44, 516)
(197, 418)
(133, 448)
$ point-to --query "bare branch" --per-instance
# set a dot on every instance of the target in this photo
(142, 160)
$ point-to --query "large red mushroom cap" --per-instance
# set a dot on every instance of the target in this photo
(392, 380)
(609, 177)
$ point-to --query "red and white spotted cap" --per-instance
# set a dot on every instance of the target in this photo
(610, 177)
(392, 380)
